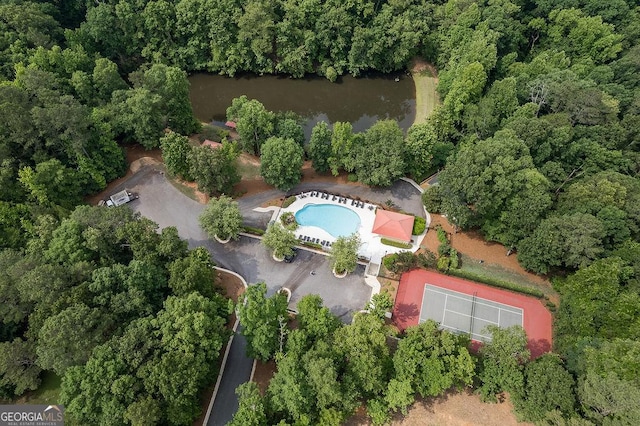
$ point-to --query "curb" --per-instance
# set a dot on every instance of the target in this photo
(226, 352)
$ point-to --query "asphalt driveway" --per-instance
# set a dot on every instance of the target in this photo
(161, 202)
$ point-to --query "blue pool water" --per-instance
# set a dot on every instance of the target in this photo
(336, 220)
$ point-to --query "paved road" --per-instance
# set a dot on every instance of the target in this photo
(236, 372)
(161, 202)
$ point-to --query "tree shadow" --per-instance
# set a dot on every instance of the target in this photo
(406, 311)
(538, 347)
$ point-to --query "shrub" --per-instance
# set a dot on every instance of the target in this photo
(389, 261)
(212, 133)
(288, 201)
(352, 177)
(419, 224)
(442, 235)
(252, 230)
(332, 74)
(453, 257)
(288, 219)
(395, 243)
(427, 260)
(443, 263)
(444, 249)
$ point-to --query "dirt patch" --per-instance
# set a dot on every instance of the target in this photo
(263, 373)
(475, 247)
(452, 409)
(420, 66)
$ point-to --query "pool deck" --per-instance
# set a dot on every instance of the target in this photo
(371, 247)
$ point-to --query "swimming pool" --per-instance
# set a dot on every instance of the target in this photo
(336, 220)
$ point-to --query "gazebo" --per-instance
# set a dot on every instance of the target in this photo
(394, 226)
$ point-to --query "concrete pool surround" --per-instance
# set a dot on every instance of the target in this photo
(371, 247)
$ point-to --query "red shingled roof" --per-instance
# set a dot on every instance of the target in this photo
(231, 124)
(211, 144)
(393, 225)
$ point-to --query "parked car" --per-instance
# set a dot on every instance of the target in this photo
(289, 258)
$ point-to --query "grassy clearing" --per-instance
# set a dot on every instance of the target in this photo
(248, 171)
(47, 394)
(426, 95)
(498, 272)
(186, 190)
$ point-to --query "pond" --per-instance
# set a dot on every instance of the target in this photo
(360, 101)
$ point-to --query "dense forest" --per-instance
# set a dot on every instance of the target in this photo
(537, 141)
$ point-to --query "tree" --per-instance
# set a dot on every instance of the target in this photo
(170, 84)
(342, 148)
(193, 273)
(215, 169)
(469, 184)
(260, 318)
(175, 154)
(18, 369)
(424, 152)
(316, 320)
(221, 218)
(432, 361)
(253, 122)
(503, 361)
(593, 302)
(379, 160)
(319, 148)
(548, 386)
(363, 345)
(573, 240)
(583, 36)
(280, 240)
(67, 339)
(51, 182)
(138, 115)
(344, 254)
(251, 406)
(287, 126)
(609, 381)
(281, 163)
(380, 304)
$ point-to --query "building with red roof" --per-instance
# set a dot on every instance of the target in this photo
(211, 144)
(394, 226)
(230, 124)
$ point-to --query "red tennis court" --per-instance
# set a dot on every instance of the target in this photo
(418, 290)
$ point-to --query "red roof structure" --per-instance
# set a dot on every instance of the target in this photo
(211, 144)
(392, 225)
(231, 124)
(537, 320)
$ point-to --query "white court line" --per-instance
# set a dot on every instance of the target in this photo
(444, 306)
(465, 297)
(492, 304)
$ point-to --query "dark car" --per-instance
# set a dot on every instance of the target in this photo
(289, 258)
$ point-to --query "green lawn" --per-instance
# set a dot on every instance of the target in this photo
(47, 394)
(498, 272)
(426, 95)
(248, 170)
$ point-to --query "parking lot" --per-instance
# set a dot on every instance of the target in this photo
(161, 202)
